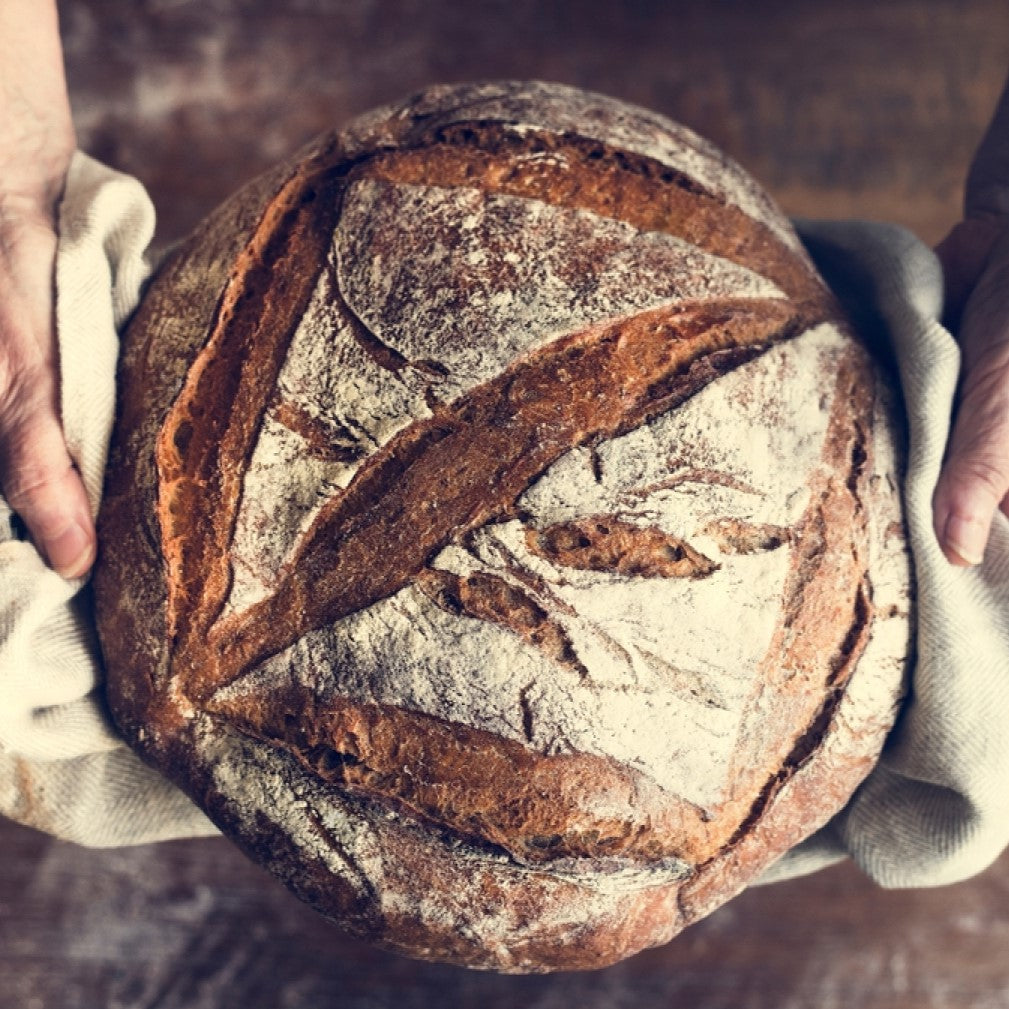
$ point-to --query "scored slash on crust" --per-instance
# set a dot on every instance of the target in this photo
(483, 449)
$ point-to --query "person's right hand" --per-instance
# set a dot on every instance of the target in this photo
(37, 476)
(974, 483)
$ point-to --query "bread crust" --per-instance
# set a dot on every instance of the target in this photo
(258, 635)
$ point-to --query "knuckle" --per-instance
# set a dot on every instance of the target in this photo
(7, 382)
(985, 474)
(33, 456)
(22, 218)
(25, 385)
(20, 378)
(32, 485)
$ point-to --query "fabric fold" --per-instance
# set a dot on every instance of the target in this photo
(935, 810)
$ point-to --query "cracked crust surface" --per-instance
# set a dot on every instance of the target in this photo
(499, 518)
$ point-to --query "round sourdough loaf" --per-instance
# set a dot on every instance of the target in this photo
(501, 538)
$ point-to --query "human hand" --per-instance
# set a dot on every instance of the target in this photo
(37, 476)
(974, 482)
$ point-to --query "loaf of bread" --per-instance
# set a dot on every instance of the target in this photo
(501, 539)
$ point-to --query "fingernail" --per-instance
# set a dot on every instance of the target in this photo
(967, 538)
(72, 552)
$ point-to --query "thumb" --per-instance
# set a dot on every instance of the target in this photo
(974, 481)
(973, 484)
(964, 253)
(40, 482)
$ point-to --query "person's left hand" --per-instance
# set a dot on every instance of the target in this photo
(37, 476)
(974, 482)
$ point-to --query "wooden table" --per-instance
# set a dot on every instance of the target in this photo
(851, 109)
(193, 925)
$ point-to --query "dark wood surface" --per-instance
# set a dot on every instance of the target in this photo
(193, 925)
(851, 109)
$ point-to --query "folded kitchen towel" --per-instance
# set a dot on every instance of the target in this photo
(935, 809)
(62, 767)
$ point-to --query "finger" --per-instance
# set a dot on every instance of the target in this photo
(972, 486)
(964, 253)
(974, 481)
(42, 486)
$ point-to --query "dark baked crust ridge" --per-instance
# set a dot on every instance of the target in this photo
(566, 111)
(383, 529)
(202, 453)
(636, 922)
(165, 334)
(480, 908)
(455, 776)
(626, 186)
(827, 608)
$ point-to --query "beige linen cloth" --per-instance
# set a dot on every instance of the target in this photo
(936, 808)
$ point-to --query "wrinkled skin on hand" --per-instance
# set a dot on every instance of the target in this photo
(37, 476)
(974, 483)
(36, 473)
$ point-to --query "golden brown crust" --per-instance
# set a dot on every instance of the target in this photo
(588, 174)
(457, 816)
(451, 775)
(377, 535)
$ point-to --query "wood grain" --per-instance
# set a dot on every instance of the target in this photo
(852, 108)
(193, 925)
(844, 109)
